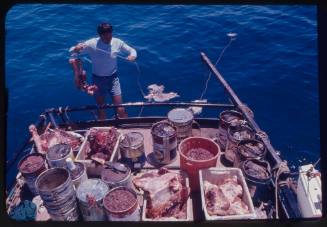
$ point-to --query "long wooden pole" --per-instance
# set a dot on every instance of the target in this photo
(241, 107)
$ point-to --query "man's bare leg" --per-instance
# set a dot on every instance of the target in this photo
(100, 100)
(117, 99)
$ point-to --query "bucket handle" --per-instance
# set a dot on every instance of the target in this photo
(194, 122)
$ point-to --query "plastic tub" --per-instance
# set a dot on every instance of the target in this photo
(192, 166)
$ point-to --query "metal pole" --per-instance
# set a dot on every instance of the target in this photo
(145, 104)
(241, 106)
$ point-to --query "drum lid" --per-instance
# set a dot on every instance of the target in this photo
(180, 115)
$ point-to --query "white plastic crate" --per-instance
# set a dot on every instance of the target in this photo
(189, 208)
(85, 147)
(213, 175)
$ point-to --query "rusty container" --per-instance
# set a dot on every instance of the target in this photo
(31, 166)
(258, 178)
(57, 192)
(164, 142)
(227, 118)
(90, 196)
(236, 133)
(249, 149)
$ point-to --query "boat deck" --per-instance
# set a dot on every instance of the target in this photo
(148, 145)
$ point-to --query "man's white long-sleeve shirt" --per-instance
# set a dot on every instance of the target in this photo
(104, 56)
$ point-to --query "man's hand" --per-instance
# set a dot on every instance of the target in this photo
(78, 47)
(131, 58)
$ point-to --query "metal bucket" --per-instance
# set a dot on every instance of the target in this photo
(114, 178)
(258, 177)
(77, 172)
(57, 155)
(132, 150)
(235, 135)
(57, 192)
(120, 207)
(90, 196)
(164, 142)
(31, 166)
(183, 120)
(249, 149)
(227, 118)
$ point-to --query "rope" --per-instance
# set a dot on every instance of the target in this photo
(314, 165)
(209, 76)
(281, 169)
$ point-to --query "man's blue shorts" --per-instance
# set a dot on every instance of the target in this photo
(107, 84)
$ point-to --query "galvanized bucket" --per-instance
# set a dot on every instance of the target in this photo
(114, 178)
(57, 192)
(132, 150)
(235, 135)
(129, 213)
(164, 142)
(57, 155)
(77, 172)
(183, 120)
(31, 166)
(90, 196)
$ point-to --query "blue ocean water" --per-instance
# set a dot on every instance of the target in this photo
(272, 65)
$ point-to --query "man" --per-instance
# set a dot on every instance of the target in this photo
(103, 52)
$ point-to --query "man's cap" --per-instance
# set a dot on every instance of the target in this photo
(104, 27)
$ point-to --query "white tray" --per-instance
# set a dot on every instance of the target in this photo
(213, 175)
(189, 208)
(85, 147)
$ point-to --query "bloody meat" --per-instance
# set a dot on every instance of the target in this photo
(225, 198)
(166, 193)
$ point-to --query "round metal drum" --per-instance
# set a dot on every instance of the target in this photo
(90, 194)
(58, 154)
(182, 119)
(57, 192)
(132, 150)
(164, 142)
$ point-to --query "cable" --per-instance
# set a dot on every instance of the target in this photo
(232, 38)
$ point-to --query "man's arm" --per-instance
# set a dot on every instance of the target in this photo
(79, 48)
(132, 52)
